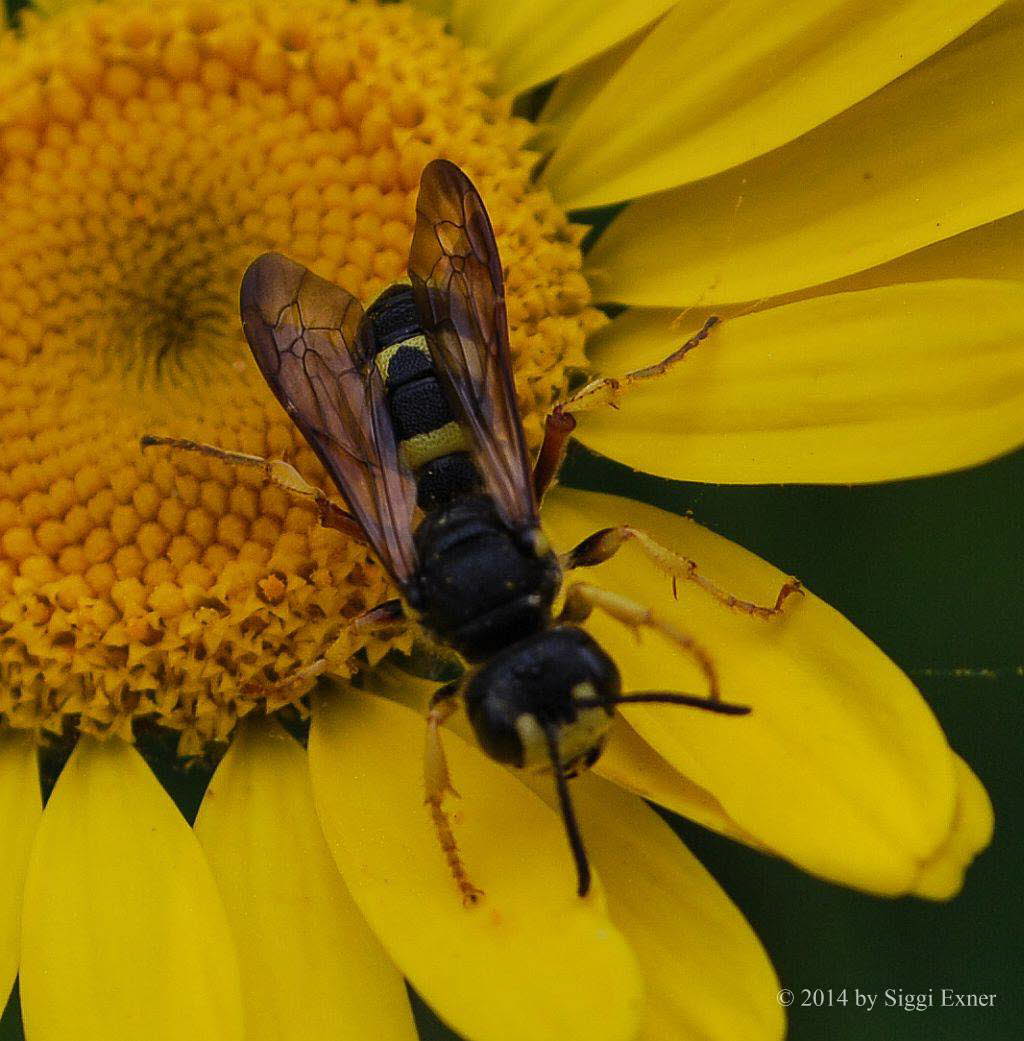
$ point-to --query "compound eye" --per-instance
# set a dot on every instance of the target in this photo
(497, 731)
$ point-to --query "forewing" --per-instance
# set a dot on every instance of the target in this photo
(313, 348)
(460, 294)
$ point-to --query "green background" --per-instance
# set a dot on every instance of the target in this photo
(932, 571)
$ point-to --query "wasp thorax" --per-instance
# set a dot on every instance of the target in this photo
(558, 681)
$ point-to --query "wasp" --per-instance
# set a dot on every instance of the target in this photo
(411, 409)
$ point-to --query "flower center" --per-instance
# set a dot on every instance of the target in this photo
(148, 152)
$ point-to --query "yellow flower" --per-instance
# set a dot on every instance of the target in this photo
(841, 185)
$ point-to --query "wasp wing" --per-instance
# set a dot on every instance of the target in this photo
(315, 351)
(460, 295)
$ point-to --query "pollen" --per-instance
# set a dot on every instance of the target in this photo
(148, 152)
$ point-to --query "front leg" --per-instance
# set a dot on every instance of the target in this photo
(284, 691)
(581, 599)
(437, 783)
(603, 545)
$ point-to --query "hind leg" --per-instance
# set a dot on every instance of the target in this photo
(561, 423)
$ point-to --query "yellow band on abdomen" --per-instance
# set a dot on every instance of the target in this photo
(422, 448)
(416, 343)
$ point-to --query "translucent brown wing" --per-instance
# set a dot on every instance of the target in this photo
(460, 294)
(316, 353)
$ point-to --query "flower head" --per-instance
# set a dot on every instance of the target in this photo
(148, 152)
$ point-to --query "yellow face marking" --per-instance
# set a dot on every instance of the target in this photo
(574, 739)
(535, 749)
(422, 448)
(583, 692)
(417, 343)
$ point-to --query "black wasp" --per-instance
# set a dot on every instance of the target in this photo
(412, 410)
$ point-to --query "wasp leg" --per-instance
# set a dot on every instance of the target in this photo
(558, 428)
(278, 472)
(607, 390)
(438, 783)
(581, 599)
(560, 423)
(384, 615)
(604, 544)
(283, 691)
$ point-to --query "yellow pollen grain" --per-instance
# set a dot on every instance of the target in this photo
(148, 151)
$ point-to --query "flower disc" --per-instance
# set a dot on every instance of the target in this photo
(147, 154)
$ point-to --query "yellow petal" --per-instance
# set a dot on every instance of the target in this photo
(575, 89)
(942, 876)
(891, 382)
(495, 971)
(123, 933)
(756, 76)
(311, 968)
(20, 808)
(841, 768)
(531, 43)
(989, 252)
(632, 763)
(705, 972)
(53, 7)
(931, 155)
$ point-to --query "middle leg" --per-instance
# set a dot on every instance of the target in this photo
(604, 544)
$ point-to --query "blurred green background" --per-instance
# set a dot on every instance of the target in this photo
(932, 571)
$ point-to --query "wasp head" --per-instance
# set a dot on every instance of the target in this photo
(553, 690)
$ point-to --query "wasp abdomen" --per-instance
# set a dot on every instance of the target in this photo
(433, 443)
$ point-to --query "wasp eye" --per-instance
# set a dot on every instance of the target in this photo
(500, 733)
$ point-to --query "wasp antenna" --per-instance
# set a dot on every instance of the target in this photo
(657, 697)
(572, 828)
